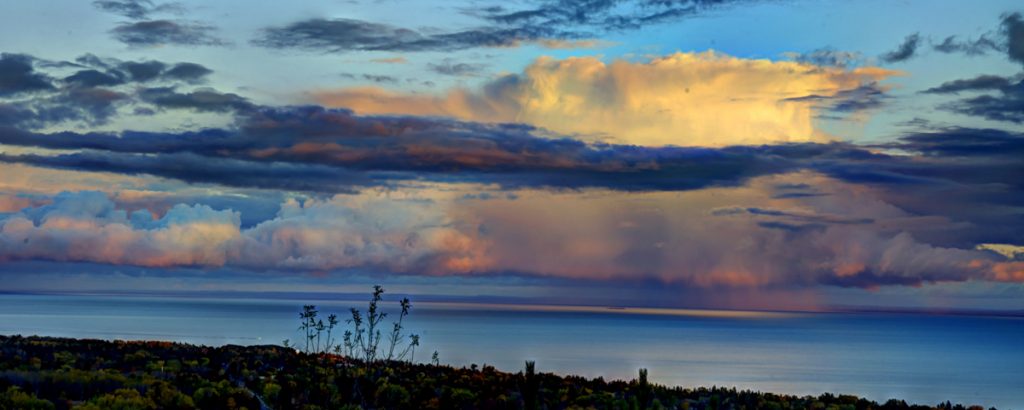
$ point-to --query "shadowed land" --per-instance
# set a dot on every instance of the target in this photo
(57, 373)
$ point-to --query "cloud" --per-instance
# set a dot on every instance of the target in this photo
(377, 78)
(904, 51)
(574, 44)
(449, 67)
(979, 83)
(111, 72)
(976, 47)
(1012, 27)
(134, 9)
(188, 72)
(568, 235)
(828, 57)
(333, 148)
(89, 105)
(1012, 252)
(1007, 38)
(689, 99)
(948, 191)
(342, 35)
(94, 78)
(152, 33)
(1007, 106)
(396, 235)
(17, 76)
(866, 97)
(848, 239)
(198, 169)
(201, 100)
(555, 24)
(92, 94)
(390, 60)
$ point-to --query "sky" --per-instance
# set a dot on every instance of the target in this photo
(741, 154)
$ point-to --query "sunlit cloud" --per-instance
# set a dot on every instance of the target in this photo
(685, 99)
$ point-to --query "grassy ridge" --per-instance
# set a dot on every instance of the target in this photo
(56, 373)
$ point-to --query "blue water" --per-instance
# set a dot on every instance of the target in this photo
(920, 358)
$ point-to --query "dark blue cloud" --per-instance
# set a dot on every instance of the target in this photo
(979, 83)
(202, 100)
(904, 51)
(559, 19)
(153, 33)
(135, 9)
(18, 76)
(1007, 105)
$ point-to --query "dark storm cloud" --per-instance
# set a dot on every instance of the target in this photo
(557, 20)
(18, 76)
(904, 51)
(166, 32)
(409, 148)
(380, 150)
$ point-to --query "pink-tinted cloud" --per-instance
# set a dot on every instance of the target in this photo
(837, 234)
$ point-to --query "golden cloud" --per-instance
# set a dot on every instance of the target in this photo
(688, 99)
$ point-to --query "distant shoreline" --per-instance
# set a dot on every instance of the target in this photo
(515, 303)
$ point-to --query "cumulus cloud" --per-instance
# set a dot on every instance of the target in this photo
(689, 99)
(848, 238)
(368, 232)
(596, 236)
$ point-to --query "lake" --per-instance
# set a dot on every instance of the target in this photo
(916, 357)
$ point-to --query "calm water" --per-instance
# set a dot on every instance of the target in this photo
(919, 358)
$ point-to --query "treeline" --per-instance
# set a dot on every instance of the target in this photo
(53, 373)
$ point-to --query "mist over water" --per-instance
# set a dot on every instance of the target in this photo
(918, 358)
